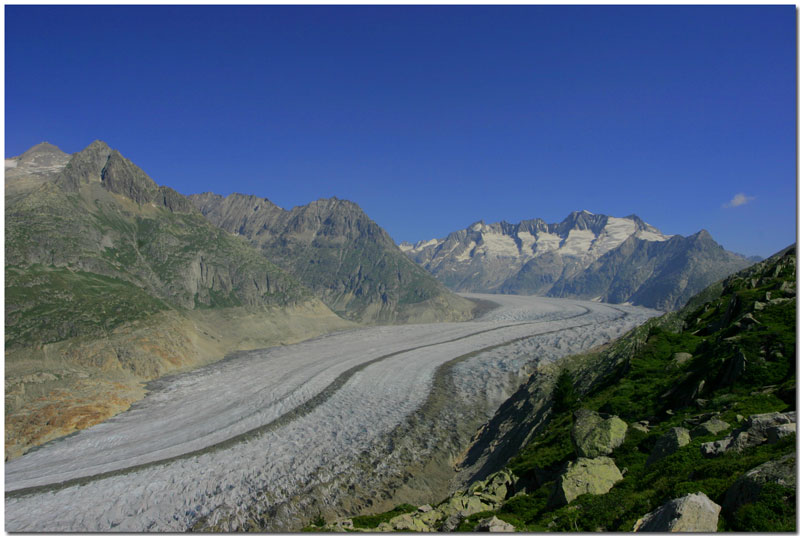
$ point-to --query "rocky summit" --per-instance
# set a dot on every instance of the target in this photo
(336, 250)
(587, 256)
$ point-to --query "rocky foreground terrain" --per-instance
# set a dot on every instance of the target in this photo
(686, 424)
(266, 440)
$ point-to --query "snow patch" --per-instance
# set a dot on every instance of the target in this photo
(652, 237)
(528, 243)
(546, 242)
(466, 254)
(578, 242)
(499, 245)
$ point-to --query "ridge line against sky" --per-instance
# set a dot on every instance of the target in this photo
(433, 117)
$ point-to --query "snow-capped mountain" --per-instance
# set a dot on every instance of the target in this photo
(534, 257)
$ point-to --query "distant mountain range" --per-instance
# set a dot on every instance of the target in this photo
(587, 256)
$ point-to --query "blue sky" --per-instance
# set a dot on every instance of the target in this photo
(432, 118)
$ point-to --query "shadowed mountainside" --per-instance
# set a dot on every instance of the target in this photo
(335, 249)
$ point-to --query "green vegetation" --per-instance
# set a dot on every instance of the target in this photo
(653, 387)
(740, 335)
(564, 396)
(82, 263)
(775, 511)
(48, 304)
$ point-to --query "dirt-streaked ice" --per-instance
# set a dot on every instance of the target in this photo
(220, 402)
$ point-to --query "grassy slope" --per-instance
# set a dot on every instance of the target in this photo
(650, 388)
(81, 264)
(647, 386)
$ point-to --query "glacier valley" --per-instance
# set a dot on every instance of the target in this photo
(267, 439)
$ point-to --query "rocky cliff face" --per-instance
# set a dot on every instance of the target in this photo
(335, 249)
(590, 256)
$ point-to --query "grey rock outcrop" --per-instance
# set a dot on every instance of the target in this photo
(692, 513)
(668, 443)
(757, 429)
(481, 496)
(493, 524)
(776, 433)
(585, 475)
(747, 487)
(595, 434)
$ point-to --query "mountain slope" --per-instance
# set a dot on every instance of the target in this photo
(335, 249)
(704, 400)
(111, 278)
(587, 255)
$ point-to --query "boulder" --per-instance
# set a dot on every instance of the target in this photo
(715, 448)
(493, 524)
(597, 434)
(451, 523)
(585, 475)
(668, 443)
(464, 506)
(776, 433)
(747, 487)
(496, 488)
(758, 424)
(691, 513)
(757, 429)
(425, 508)
(410, 523)
(712, 426)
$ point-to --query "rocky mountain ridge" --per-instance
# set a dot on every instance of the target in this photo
(588, 256)
(99, 261)
(335, 249)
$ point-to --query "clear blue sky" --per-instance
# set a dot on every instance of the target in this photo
(432, 117)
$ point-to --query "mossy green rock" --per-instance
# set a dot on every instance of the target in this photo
(414, 522)
(585, 475)
(595, 434)
(496, 488)
(464, 506)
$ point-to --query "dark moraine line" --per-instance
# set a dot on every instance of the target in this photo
(299, 411)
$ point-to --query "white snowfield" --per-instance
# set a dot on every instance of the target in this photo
(310, 409)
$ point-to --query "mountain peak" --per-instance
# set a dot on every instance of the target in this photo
(702, 234)
(98, 145)
(43, 157)
(43, 147)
